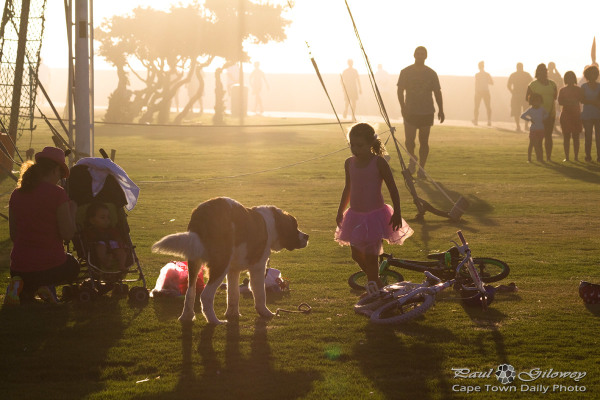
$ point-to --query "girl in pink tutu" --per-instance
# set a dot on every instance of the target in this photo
(369, 220)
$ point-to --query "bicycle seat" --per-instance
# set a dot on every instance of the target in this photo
(437, 256)
(453, 257)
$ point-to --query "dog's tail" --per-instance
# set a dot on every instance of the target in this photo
(183, 244)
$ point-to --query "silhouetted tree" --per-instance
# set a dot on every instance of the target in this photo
(171, 45)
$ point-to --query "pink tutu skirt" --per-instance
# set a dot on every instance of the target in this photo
(366, 230)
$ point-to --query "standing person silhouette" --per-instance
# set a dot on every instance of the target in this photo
(351, 87)
(557, 78)
(483, 80)
(547, 89)
(419, 82)
(517, 85)
(570, 97)
(590, 115)
(257, 78)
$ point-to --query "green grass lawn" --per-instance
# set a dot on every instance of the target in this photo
(539, 218)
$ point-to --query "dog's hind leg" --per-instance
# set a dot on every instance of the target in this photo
(188, 314)
(257, 284)
(233, 295)
(207, 298)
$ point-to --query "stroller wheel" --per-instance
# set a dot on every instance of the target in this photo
(69, 292)
(86, 294)
(139, 295)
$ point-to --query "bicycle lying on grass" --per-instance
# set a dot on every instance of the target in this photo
(403, 301)
(442, 265)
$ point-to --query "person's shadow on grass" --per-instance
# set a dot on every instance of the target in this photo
(57, 351)
(488, 322)
(403, 361)
(589, 173)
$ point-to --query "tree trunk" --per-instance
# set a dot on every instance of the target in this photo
(219, 98)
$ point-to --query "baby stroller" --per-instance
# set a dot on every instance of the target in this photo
(99, 180)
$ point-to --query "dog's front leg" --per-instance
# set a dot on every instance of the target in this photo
(188, 314)
(233, 295)
(257, 284)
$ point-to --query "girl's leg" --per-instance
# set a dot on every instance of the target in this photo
(575, 146)
(566, 143)
(539, 151)
(368, 263)
(587, 129)
(530, 148)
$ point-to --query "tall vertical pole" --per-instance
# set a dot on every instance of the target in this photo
(83, 142)
(242, 28)
(91, 84)
(71, 71)
(19, 68)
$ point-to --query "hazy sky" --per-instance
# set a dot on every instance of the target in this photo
(458, 34)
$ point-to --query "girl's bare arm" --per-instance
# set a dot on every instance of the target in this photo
(345, 199)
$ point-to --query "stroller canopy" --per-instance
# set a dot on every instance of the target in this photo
(101, 179)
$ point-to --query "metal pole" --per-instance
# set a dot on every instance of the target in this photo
(82, 81)
(19, 67)
(69, 20)
(91, 58)
(242, 28)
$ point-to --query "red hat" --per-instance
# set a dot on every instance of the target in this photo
(55, 154)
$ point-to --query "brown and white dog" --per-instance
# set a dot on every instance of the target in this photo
(231, 238)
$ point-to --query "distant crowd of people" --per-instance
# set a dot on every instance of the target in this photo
(580, 111)
(537, 100)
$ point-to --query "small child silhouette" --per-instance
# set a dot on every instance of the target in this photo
(106, 240)
(368, 220)
(536, 114)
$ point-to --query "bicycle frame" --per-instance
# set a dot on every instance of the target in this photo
(432, 284)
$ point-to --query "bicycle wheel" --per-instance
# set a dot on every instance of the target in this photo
(489, 269)
(358, 280)
(395, 313)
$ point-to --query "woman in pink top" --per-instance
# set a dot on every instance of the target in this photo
(369, 220)
(41, 217)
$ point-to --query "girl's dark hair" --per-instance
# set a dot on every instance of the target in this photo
(535, 96)
(570, 77)
(367, 132)
(589, 70)
(35, 173)
(541, 68)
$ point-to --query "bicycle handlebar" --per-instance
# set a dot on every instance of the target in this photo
(461, 237)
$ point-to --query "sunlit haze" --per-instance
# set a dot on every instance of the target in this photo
(457, 34)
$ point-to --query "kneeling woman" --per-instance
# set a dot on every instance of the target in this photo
(41, 217)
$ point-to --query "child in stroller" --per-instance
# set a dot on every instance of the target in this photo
(107, 246)
(102, 190)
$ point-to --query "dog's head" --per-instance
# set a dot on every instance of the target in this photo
(288, 235)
